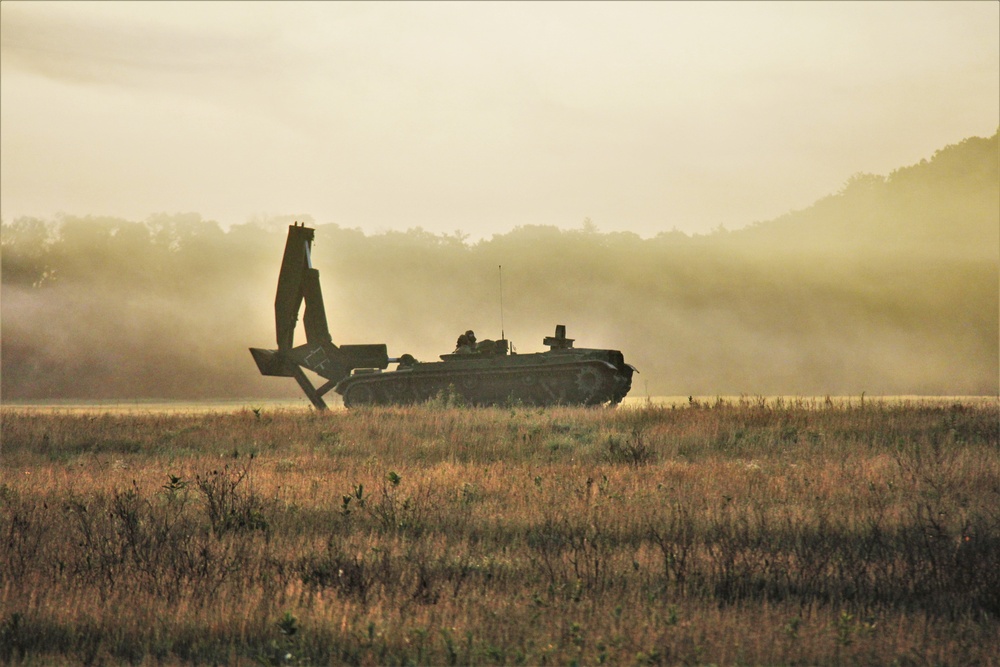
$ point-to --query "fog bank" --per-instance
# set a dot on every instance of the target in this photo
(889, 286)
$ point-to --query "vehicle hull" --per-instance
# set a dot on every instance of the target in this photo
(571, 377)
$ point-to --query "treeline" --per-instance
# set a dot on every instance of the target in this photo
(887, 287)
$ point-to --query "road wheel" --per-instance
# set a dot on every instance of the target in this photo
(589, 382)
(359, 394)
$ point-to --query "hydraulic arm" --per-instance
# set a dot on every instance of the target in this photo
(298, 281)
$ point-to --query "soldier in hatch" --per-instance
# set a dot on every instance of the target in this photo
(466, 343)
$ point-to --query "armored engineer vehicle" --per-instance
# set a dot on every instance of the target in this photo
(481, 373)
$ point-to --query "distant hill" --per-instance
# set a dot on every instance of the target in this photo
(949, 204)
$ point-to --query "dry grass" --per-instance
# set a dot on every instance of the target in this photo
(753, 531)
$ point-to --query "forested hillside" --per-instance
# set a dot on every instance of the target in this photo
(887, 287)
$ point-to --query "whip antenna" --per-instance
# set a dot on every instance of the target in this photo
(502, 337)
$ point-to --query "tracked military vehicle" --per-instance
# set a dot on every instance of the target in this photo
(478, 373)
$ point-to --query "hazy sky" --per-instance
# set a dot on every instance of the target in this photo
(480, 116)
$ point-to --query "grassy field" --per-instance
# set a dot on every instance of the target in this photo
(753, 531)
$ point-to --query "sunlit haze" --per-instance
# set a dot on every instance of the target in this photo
(480, 117)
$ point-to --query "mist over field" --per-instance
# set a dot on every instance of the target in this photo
(889, 286)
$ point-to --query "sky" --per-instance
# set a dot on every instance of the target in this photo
(480, 117)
